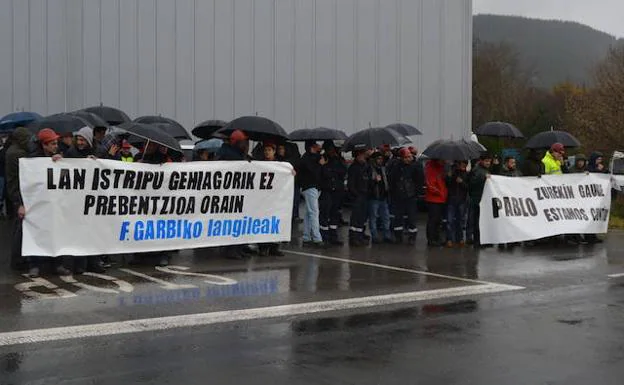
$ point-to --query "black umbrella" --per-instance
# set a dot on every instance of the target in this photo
(548, 138)
(373, 138)
(475, 145)
(91, 118)
(61, 123)
(256, 127)
(500, 130)
(151, 133)
(452, 150)
(206, 130)
(112, 115)
(170, 126)
(404, 129)
(319, 133)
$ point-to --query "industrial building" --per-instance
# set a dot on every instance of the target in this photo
(304, 63)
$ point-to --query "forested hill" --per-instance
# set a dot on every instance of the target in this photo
(555, 51)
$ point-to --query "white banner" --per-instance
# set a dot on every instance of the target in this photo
(91, 207)
(523, 209)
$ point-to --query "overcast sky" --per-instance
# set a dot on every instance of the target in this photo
(603, 15)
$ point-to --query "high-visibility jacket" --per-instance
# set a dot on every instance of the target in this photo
(551, 165)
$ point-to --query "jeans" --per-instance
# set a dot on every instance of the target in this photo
(379, 210)
(311, 228)
(434, 221)
(455, 217)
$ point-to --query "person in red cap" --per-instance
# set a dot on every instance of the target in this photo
(125, 155)
(554, 159)
(48, 144)
(406, 184)
(47, 147)
(236, 149)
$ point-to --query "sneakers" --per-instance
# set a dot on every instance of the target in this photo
(449, 244)
(33, 272)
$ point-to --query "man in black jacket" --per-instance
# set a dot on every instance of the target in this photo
(332, 189)
(310, 179)
(406, 184)
(457, 182)
(358, 181)
(15, 210)
(378, 200)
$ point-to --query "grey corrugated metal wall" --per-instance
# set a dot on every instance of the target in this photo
(338, 63)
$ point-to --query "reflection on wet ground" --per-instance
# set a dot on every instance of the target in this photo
(564, 328)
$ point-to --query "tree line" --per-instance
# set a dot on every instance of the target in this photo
(505, 90)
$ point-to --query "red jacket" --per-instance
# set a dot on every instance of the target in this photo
(436, 191)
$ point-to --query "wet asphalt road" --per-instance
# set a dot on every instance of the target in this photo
(565, 326)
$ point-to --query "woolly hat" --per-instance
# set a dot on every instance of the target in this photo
(87, 134)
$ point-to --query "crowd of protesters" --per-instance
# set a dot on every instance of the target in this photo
(385, 188)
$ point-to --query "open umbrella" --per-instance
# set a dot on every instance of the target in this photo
(499, 130)
(151, 133)
(13, 120)
(404, 129)
(170, 126)
(373, 138)
(61, 123)
(548, 138)
(206, 129)
(475, 145)
(91, 118)
(319, 133)
(451, 150)
(256, 127)
(210, 145)
(111, 115)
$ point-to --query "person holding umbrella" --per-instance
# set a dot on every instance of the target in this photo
(436, 194)
(358, 182)
(309, 173)
(476, 185)
(457, 182)
(332, 189)
(406, 183)
(554, 159)
(237, 148)
(378, 200)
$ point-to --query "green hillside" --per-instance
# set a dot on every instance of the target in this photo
(555, 51)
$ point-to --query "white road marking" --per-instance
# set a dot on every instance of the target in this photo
(202, 319)
(163, 284)
(26, 288)
(209, 278)
(123, 285)
(388, 267)
(619, 275)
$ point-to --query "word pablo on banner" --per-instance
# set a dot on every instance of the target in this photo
(523, 209)
(91, 207)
